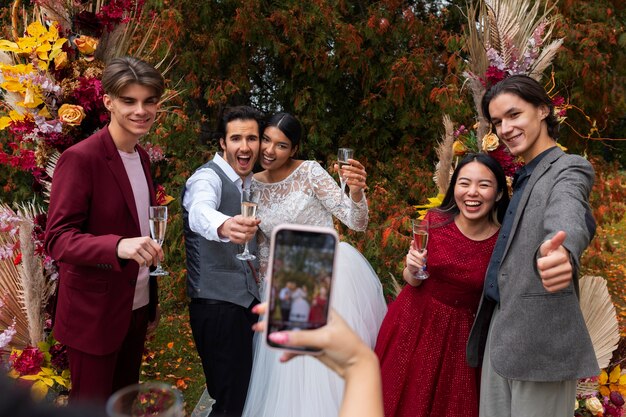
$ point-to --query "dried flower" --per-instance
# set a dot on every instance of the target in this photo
(7, 335)
(594, 405)
(71, 114)
(490, 142)
(459, 148)
(86, 45)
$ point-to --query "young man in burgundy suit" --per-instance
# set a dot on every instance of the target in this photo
(98, 231)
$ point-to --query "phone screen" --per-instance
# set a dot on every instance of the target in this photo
(302, 271)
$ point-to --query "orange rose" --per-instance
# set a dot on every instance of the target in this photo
(490, 142)
(86, 44)
(459, 148)
(71, 114)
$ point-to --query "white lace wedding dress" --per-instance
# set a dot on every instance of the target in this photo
(304, 387)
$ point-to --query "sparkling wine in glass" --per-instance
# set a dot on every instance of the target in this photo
(249, 203)
(158, 224)
(343, 154)
(420, 236)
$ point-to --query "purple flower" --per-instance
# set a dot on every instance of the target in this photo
(88, 22)
(616, 398)
(59, 359)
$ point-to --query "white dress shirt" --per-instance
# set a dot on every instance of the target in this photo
(203, 195)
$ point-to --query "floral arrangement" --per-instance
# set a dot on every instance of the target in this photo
(606, 397)
(45, 367)
(51, 98)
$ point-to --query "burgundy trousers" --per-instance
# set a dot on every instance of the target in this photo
(96, 377)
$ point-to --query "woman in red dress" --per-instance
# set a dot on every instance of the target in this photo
(319, 306)
(421, 344)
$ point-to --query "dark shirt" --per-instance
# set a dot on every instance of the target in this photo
(519, 183)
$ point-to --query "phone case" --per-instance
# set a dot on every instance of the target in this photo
(269, 274)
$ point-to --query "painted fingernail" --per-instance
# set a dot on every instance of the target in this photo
(279, 337)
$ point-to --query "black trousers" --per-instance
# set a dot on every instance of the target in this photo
(223, 335)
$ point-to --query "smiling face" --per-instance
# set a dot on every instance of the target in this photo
(241, 145)
(520, 125)
(276, 150)
(133, 113)
(475, 192)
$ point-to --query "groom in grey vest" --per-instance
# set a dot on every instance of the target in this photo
(222, 288)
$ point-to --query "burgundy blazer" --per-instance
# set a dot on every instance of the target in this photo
(91, 208)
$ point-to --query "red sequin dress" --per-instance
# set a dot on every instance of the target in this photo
(421, 343)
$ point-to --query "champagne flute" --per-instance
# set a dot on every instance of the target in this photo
(249, 202)
(150, 399)
(158, 224)
(420, 236)
(343, 154)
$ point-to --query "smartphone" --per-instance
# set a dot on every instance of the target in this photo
(301, 270)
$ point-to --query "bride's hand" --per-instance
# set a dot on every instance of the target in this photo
(355, 177)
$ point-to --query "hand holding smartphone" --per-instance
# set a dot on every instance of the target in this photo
(300, 270)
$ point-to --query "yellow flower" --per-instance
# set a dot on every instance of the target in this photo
(45, 43)
(86, 44)
(13, 116)
(432, 203)
(60, 61)
(71, 114)
(490, 142)
(614, 381)
(459, 148)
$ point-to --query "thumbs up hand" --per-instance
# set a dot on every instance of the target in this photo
(553, 264)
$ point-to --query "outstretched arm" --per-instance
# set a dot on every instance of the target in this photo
(344, 353)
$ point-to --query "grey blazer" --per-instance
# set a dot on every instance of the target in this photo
(537, 335)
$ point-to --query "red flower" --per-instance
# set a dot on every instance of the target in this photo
(558, 101)
(28, 362)
(507, 161)
(494, 75)
(18, 259)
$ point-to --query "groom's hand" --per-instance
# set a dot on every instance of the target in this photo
(553, 264)
(239, 229)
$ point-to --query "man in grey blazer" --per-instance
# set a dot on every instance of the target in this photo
(529, 334)
(222, 288)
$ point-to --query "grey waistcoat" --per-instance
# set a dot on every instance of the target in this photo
(213, 272)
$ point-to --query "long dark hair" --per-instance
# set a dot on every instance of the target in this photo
(289, 125)
(528, 90)
(449, 207)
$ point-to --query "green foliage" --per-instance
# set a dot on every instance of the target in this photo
(589, 70)
(358, 73)
(376, 76)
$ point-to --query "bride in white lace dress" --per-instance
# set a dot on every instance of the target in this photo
(296, 191)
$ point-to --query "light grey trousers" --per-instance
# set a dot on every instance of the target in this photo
(503, 397)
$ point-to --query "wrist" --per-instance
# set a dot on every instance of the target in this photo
(364, 362)
(357, 196)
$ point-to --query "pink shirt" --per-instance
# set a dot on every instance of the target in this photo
(137, 178)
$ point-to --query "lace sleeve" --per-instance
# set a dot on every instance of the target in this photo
(328, 192)
(263, 245)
